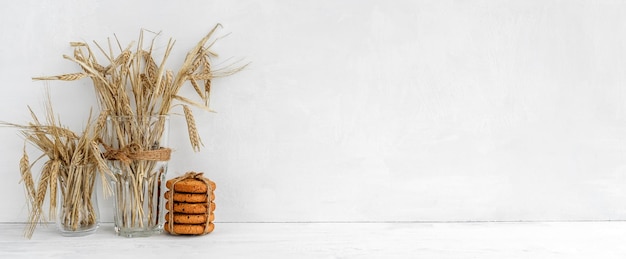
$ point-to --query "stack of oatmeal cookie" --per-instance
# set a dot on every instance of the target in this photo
(190, 205)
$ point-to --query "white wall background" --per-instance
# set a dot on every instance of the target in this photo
(365, 110)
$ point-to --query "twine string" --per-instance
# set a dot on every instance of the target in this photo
(134, 152)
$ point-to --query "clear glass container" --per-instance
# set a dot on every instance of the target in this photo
(77, 212)
(139, 182)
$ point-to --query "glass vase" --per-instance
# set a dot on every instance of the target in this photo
(138, 156)
(77, 211)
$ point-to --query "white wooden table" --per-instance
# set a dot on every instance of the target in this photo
(503, 240)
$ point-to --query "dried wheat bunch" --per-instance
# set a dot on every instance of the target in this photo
(132, 83)
(60, 148)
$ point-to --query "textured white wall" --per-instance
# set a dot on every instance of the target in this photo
(366, 110)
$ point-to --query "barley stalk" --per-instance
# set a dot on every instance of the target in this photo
(194, 138)
(197, 88)
(36, 214)
(27, 177)
(65, 77)
(191, 102)
(52, 182)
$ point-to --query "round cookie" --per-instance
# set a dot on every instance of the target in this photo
(188, 197)
(189, 185)
(189, 229)
(188, 208)
(181, 218)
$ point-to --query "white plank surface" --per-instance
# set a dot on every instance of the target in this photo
(336, 240)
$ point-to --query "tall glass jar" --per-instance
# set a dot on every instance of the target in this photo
(77, 211)
(138, 156)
